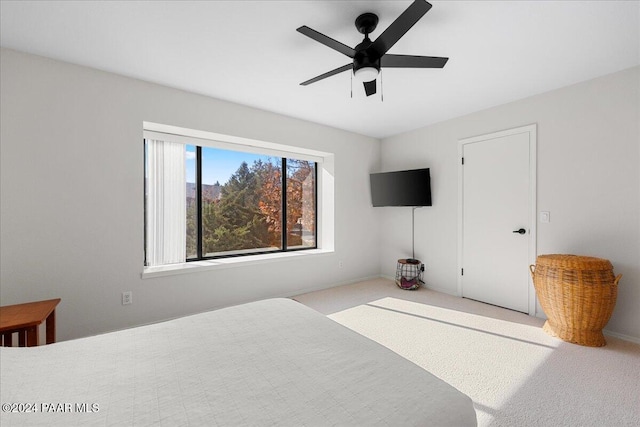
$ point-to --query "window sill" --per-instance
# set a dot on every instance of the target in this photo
(215, 264)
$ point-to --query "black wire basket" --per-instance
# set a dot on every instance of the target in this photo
(409, 274)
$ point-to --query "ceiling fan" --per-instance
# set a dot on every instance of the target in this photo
(369, 57)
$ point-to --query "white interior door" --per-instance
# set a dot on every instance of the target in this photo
(498, 218)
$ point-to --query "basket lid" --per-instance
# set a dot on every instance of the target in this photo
(575, 262)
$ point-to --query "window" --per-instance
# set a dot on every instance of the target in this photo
(206, 202)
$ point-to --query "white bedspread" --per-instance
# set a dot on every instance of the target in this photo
(273, 362)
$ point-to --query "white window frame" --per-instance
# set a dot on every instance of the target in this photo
(324, 187)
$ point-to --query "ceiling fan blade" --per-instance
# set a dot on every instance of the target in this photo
(328, 74)
(411, 61)
(370, 87)
(400, 26)
(327, 41)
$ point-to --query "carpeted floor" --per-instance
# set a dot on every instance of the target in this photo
(516, 374)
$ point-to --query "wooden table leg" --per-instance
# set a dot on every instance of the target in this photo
(32, 336)
(51, 327)
(25, 319)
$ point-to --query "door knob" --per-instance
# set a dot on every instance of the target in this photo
(520, 231)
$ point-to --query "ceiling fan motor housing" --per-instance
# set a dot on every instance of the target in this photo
(365, 57)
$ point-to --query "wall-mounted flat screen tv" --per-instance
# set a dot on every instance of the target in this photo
(401, 188)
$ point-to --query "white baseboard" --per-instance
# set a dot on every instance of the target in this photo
(430, 287)
(622, 336)
(606, 332)
(443, 290)
(323, 287)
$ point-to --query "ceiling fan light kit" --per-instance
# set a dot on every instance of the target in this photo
(369, 57)
(366, 74)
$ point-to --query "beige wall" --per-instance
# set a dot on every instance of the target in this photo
(588, 177)
(72, 197)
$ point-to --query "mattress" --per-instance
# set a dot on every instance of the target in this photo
(271, 362)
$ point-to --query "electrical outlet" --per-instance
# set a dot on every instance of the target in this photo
(127, 298)
(340, 264)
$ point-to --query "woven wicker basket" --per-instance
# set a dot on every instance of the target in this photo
(577, 294)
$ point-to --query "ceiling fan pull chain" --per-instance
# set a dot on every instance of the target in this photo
(351, 85)
(381, 88)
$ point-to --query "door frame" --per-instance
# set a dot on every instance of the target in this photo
(532, 131)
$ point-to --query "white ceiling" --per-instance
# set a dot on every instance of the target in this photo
(249, 52)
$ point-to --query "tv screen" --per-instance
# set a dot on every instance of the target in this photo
(401, 188)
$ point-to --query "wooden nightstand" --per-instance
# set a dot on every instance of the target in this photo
(25, 319)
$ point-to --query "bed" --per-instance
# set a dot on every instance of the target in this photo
(271, 362)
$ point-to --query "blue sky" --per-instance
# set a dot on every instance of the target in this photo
(218, 165)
